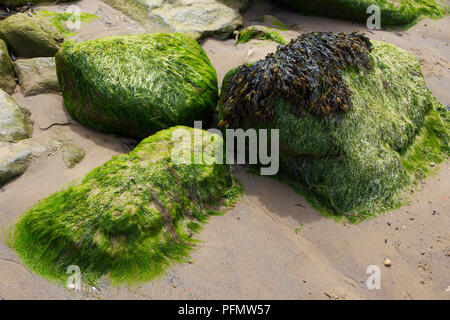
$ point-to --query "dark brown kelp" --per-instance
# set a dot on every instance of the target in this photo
(307, 72)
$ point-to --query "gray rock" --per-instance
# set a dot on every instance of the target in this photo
(7, 81)
(15, 123)
(15, 158)
(37, 76)
(30, 37)
(197, 18)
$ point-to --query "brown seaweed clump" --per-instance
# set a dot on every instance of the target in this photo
(307, 72)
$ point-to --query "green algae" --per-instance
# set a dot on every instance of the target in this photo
(257, 33)
(128, 219)
(398, 13)
(137, 85)
(360, 163)
(60, 20)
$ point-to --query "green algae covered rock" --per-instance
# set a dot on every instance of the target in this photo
(30, 37)
(137, 85)
(7, 81)
(394, 13)
(72, 154)
(359, 162)
(129, 218)
(261, 33)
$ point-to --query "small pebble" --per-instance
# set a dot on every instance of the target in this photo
(387, 262)
(422, 252)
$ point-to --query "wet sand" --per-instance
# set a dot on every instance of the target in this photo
(253, 252)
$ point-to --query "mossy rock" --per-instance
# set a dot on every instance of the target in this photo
(261, 33)
(136, 85)
(359, 163)
(72, 154)
(129, 218)
(394, 13)
(15, 123)
(30, 37)
(7, 81)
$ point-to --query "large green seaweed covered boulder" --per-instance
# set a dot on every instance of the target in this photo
(394, 13)
(137, 85)
(129, 218)
(353, 141)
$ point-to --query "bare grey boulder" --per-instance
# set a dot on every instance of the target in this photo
(37, 75)
(15, 123)
(15, 158)
(196, 18)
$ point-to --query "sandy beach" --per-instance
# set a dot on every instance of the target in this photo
(255, 250)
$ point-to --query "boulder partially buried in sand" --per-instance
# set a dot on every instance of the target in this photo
(15, 123)
(393, 13)
(196, 18)
(355, 118)
(130, 217)
(30, 37)
(37, 75)
(7, 81)
(137, 85)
